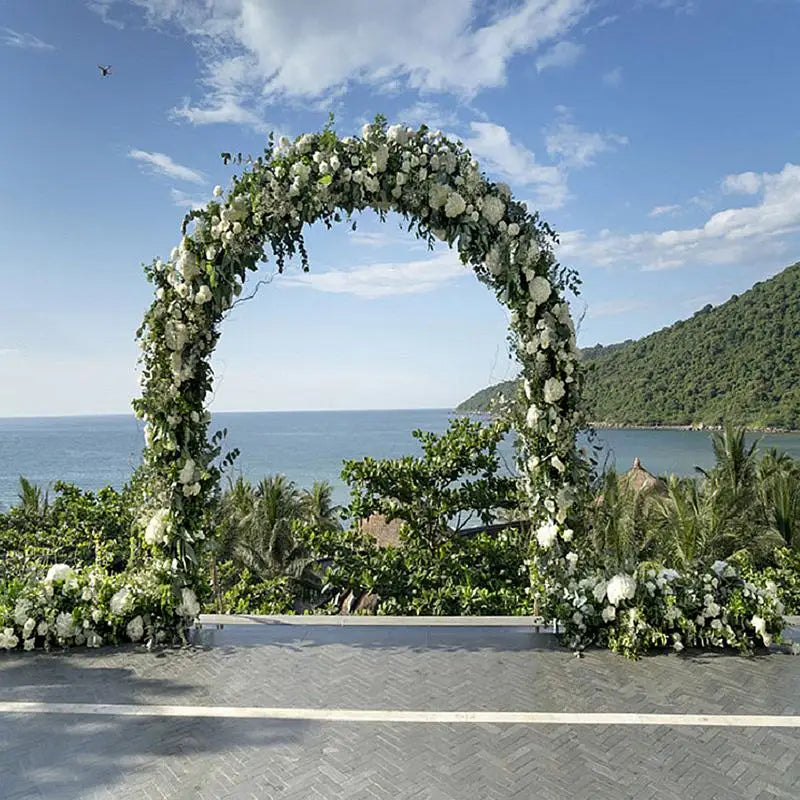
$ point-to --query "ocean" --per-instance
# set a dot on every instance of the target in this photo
(94, 451)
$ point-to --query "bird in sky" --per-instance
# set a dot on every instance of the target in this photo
(104, 71)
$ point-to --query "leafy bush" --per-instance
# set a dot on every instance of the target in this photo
(458, 576)
(249, 595)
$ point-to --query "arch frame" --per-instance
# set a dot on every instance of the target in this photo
(437, 187)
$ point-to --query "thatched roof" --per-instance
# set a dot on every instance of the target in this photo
(638, 479)
(384, 532)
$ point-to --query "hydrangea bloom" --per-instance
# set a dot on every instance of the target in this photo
(621, 587)
(156, 531)
(59, 572)
(547, 534)
(553, 390)
(121, 601)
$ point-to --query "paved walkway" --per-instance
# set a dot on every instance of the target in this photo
(310, 711)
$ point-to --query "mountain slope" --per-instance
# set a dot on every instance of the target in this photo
(739, 361)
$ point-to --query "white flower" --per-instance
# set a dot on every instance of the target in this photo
(796, 648)
(513, 229)
(438, 195)
(8, 639)
(719, 566)
(493, 209)
(577, 617)
(760, 625)
(135, 629)
(191, 490)
(767, 639)
(557, 463)
(397, 133)
(29, 644)
(22, 611)
(553, 390)
(29, 627)
(567, 535)
(540, 289)
(203, 295)
(716, 624)
(599, 591)
(547, 534)
(188, 607)
(65, 627)
(455, 205)
(217, 191)
(121, 601)
(533, 416)
(609, 613)
(156, 532)
(187, 472)
(712, 610)
(93, 639)
(677, 646)
(42, 628)
(621, 587)
(59, 572)
(572, 558)
(381, 158)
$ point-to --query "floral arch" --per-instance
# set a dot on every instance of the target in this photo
(433, 183)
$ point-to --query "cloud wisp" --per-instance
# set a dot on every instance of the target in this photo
(24, 41)
(162, 164)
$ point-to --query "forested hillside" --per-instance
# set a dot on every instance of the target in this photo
(739, 361)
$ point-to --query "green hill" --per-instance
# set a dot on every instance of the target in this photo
(739, 361)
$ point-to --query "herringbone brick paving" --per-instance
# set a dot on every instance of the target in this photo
(47, 756)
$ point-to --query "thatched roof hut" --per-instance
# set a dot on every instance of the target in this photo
(638, 479)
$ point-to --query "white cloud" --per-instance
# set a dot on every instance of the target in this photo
(743, 183)
(102, 9)
(185, 200)
(735, 235)
(225, 109)
(492, 145)
(163, 164)
(614, 308)
(613, 77)
(577, 148)
(660, 211)
(561, 54)
(430, 114)
(253, 53)
(374, 281)
(26, 41)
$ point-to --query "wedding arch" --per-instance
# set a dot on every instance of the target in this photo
(436, 186)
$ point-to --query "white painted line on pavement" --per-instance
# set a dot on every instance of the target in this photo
(387, 715)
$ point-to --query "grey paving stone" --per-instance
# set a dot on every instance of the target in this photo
(491, 669)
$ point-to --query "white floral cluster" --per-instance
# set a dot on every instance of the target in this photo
(420, 174)
(633, 612)
(72, 608)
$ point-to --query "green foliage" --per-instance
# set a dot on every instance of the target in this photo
(738, 362)
(249, 595)
(77, 527)
(482, 575)
(456, 479)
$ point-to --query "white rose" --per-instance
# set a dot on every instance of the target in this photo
(572, 558)
(513, 229)
(533, 416)
(29, 644)
(609, 613)
(437, 196)
(553, 390)
(135, 629)
(29, 627)
(547, 534)
(42, 628)
(621, 587)
(397, 133)
(8, 639)
(203, 295)
(381, 158)
(567, 535)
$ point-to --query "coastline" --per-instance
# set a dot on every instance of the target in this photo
(622, 426)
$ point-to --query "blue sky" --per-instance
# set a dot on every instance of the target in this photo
(661, 138)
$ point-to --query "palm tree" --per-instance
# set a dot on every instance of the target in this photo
(32, 501)
(778, 487)
(319, 509)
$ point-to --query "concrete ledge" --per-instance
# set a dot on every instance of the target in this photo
(340, 620)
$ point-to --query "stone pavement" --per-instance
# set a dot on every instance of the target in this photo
(389, 668)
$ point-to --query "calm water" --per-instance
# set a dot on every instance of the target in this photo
(306, 446)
